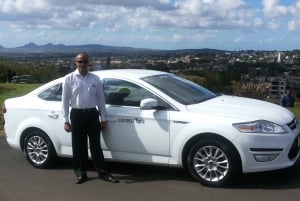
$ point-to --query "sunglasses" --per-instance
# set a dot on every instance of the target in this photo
(84, 62)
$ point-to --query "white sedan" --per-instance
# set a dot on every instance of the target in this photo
(159, 118)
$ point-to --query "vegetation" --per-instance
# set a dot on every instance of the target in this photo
(9, 90)
(251, 90)
(296, 109)
(37, 74)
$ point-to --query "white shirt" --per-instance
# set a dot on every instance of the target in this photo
(82, 93)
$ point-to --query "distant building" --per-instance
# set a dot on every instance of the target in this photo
(278, 87)
(279, 58)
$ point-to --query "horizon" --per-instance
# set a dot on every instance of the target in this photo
(261, 25)
(71, 45)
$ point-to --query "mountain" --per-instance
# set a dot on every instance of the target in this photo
(30, 46)
(49, 47)
(33, 47)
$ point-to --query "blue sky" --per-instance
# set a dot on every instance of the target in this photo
(155, 24)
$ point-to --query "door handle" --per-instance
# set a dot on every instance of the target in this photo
(53, 115)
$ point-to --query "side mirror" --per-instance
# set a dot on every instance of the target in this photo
(148, 104)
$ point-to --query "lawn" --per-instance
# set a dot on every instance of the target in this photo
(296, 109)
(8, 90)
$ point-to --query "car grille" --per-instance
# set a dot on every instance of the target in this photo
(293, 124)
(294, 149)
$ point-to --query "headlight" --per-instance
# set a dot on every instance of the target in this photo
(260, 126)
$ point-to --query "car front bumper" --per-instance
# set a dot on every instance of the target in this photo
(265, 152)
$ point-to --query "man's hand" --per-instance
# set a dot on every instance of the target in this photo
(67, 127)
(103, 125)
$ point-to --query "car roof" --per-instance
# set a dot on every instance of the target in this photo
(115, 73)
(128, 73)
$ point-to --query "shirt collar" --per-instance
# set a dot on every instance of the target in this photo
(77, 73)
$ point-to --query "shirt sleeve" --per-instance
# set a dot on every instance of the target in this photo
(65, 100)
(101, 101)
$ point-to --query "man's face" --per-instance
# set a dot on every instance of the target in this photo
(82, 64)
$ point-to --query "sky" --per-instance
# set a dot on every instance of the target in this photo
(154, 24)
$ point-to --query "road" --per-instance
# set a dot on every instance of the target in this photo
(21, 182)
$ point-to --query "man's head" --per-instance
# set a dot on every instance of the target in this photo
(289, 90)
(82, 60)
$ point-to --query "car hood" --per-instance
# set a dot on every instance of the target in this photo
(246, 109)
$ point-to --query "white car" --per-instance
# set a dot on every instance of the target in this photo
(159, 118)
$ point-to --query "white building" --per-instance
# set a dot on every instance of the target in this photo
(278, 87)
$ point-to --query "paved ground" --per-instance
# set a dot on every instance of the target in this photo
(21, 182)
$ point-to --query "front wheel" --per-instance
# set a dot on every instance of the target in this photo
(213, 162)
(39, 150)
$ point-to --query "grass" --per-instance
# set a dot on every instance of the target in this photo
(296, 109)
(9, 90)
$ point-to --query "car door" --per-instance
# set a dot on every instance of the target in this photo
(134, 134)
(51, 112)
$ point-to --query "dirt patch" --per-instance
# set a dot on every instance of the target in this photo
(2, 133)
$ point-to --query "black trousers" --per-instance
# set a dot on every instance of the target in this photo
(86, 125)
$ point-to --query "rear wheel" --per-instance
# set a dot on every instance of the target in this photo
(213, 162)
(39, 150)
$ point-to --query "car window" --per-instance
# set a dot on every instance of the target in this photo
(53, 93)
(182, 90)
(121, 92)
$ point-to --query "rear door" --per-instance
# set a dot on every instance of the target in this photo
(53, 121)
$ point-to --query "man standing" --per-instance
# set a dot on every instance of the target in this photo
(83, 92)
(287, 100)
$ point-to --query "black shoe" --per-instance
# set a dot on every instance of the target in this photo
(110, 178)
(81, 179)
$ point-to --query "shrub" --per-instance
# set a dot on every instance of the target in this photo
(251, 90)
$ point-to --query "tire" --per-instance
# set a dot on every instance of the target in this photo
(39, 150)
(213, 162)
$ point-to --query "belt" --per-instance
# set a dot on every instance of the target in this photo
(84, 109)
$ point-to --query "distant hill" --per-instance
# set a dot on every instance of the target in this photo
(49, 47)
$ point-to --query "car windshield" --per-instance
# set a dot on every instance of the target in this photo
(182, 90)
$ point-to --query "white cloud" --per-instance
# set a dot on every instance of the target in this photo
(22, 6)
(288, 14)
(258, 22)
(273, 9)
(150, 21)
(273, 25)
(294, 25)
(163, 14)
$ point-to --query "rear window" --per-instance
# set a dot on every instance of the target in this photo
(52, 94)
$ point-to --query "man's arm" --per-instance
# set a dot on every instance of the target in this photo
(101, 101)
(66, 106)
